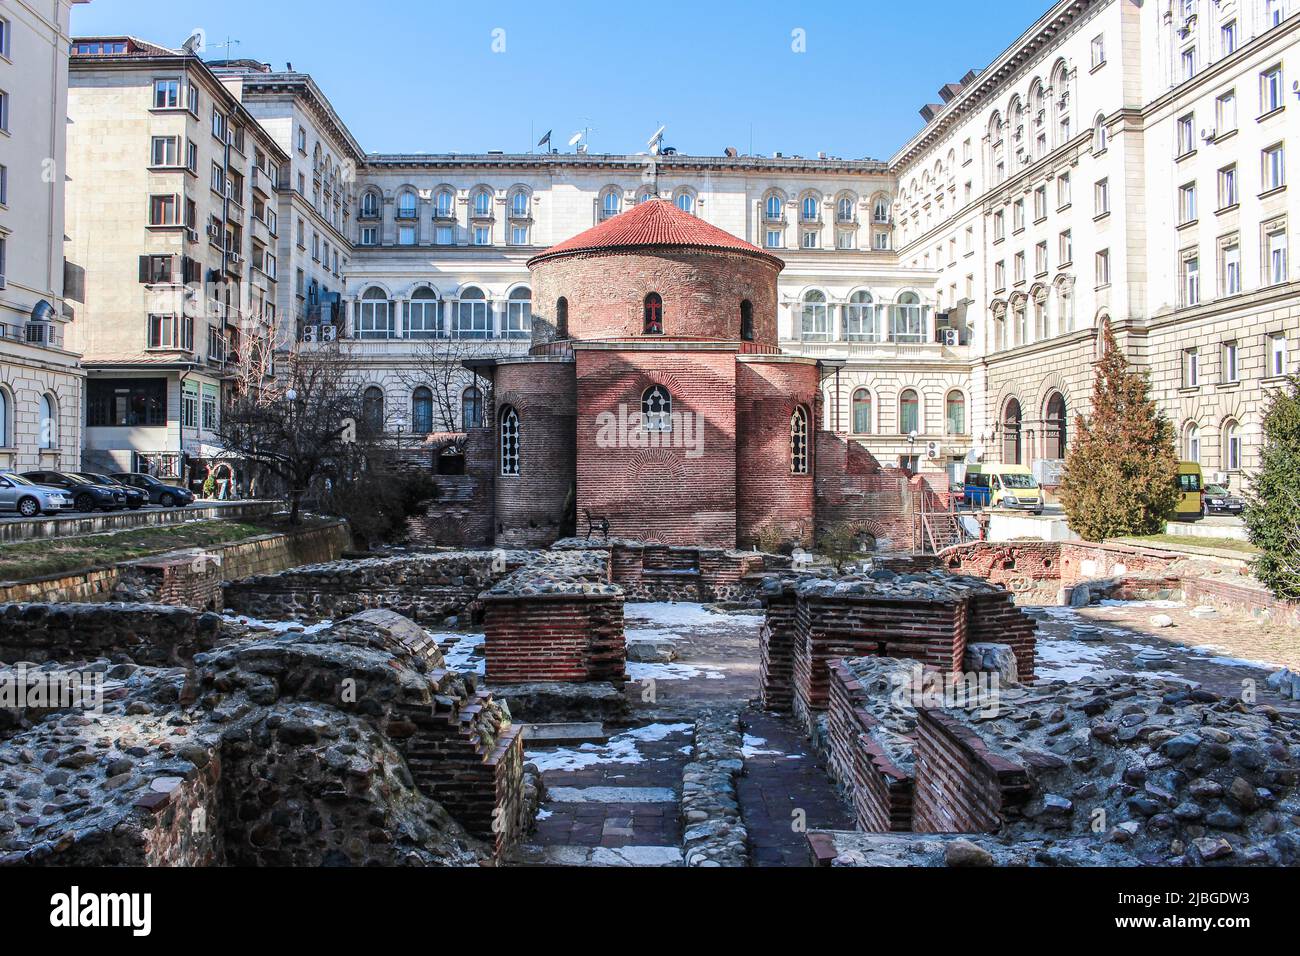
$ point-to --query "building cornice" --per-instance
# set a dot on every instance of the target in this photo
(552, 162)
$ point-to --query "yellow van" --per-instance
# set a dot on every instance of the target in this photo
(1191, 492)
(1002, 486)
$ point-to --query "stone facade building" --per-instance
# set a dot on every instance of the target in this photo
(1120, 162)
(40, 383)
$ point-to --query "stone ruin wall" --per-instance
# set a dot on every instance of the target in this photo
(657, 572)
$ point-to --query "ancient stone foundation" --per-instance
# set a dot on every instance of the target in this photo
(147, 634)
(658, 572)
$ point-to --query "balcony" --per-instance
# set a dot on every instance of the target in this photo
(879, 351)
(408, 214)
(263, 183)
(43, 334)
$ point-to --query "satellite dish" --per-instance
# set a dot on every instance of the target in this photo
(575, 139)
(657, 137)
(191, 44)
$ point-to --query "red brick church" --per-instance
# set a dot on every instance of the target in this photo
(654, 396)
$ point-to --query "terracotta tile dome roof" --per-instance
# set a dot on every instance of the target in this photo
(653, 223)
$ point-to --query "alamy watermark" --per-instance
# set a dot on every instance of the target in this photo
(29, 688)
(625, 428)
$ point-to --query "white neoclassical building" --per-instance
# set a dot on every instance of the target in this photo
(1120, 162)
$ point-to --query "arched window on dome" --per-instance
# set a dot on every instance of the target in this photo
(656, 409)
(799, 442)
(509, 441)
(747, 320)
(422, 410)
(654, 314)
(561, 318)
(862, 412)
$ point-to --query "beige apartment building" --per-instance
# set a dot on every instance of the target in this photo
(173, 218)
(40, 383)
(1119, 163)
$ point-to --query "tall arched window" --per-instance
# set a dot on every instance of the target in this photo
(611, 202)
(862, 412)
(685, 201)
(561, 318)
(372, 408)
(407, 204)
(1012, 453)
(1231, 446)
(773, 207)
(747, 320)
(519, 204)
(799, 442)
(654, 315)
(509, 441)
(483, 204)
(519, 313)
(4, 418)
(1100, 136)
(845, 209)
(955, 413)
(816, 321)
(909, 412)
(1054, 421)
(656, 409)
(422, 411)
(49, 424)
(424, 314)
(444, 201)
(809, 209)
(471, 408)
(370, 205)
(909, 322)
(860, 318)
(472, 319)
(374, 315)
(1193, 442)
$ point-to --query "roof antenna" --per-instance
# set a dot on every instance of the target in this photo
(651, 175)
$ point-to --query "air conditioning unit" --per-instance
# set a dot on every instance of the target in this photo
(311, 333)
(192, 235)
(1207, 135)
(951, 337)
(329, 333)
(932, 449)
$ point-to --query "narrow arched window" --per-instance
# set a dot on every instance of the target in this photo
(471, 408)
(747, 320)
(422, 411)
(372, 408)
(1193, 443)
(4, 419)
(955, 413)
(509, 441)
(862, 412)
(1054, 431)
(654, 314)
(1012, 450)
(49, 425)
(657, 409)
(562, 318)
(909, 409)
(1231, 446)
(799, 442)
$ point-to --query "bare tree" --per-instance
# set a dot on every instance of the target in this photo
(438, 364)
(302, 423)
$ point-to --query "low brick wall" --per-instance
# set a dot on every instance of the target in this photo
(962, 786)
(152, 635)
(776, 647)
(657, 572)
(568, 638)
(879, 786)
(424, 587)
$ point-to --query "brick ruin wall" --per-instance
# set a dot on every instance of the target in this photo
(879, 787)
(657, 572)
(149, 635)
(461, 515)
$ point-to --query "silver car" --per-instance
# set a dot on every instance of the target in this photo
(28, 499)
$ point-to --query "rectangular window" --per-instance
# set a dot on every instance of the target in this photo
(1225, 113)
(1191, 369)
(163, 211)
(1186, 134)
(405, 237)
(1230, 269)
(1277, 355)
(1228, 38)
(444, 236)
(1102, 267)
(1018, 215)
(846, 239)
(218, 180)
(218, 124)
(165, 151)
(189, 409)
(519, 235)
(368, 234)
(773, 240)
(1190, 271)
(482, 236)
(4, 37)
(126, 402)
(1020, 267)
(1186, 204)
(1000, 275)
(1273, 175)
(166, 94)
(999, 225)
(209, 411)
(1065, 252)
(1228, 186)
(191, 156)
(4, 111)
(808, 239)
(4, 185)
(1063, 189)
(1187, 63)
(1275, 265)
(1098, 50)
(1040, 258)
(1101, 198)
(1270, 90)
(1040, 203)
(1230, 371)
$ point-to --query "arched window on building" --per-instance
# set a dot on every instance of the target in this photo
(955, 413)
(1012, 451)
(862, 422)
(611, 203)
(845, 210)
(1100, 135)
(909, 412)
(424, 315)
(372, 409)
(519, 313)
(809, 209)
(773, 207)
(471, 408)
(1055, 425)
(520, 204)
(909, 319)
(561, 318)
(482, 204)
(1231, 446)
(407, 204)
(509, 441)
(422, 410)
(444, 204)
(653, 315)
(1041, 330)
(747, 320)
(816, 316)
(685, 200)
(656, 409)
(472, 318)
(799, 442)
(48, 436)
(370, 205)
(4, 418)
(1020, 321)
(1192, 442)
(374, 315)
(860, 318)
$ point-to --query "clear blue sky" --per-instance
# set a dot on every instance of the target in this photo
(422, 76)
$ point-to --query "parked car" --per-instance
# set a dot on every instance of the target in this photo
(1002, 486)
(160, 494)
(1220, 501)
(135, 498)
(30, 499)
(85, 494)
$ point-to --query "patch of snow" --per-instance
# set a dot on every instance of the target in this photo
(466, 653)
(643, 672)
(619, 749)
(1110, 602)
(666, 615)
(611, 795)
(276, 627)
(544, 814)
(751, 747)
(636, 856)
